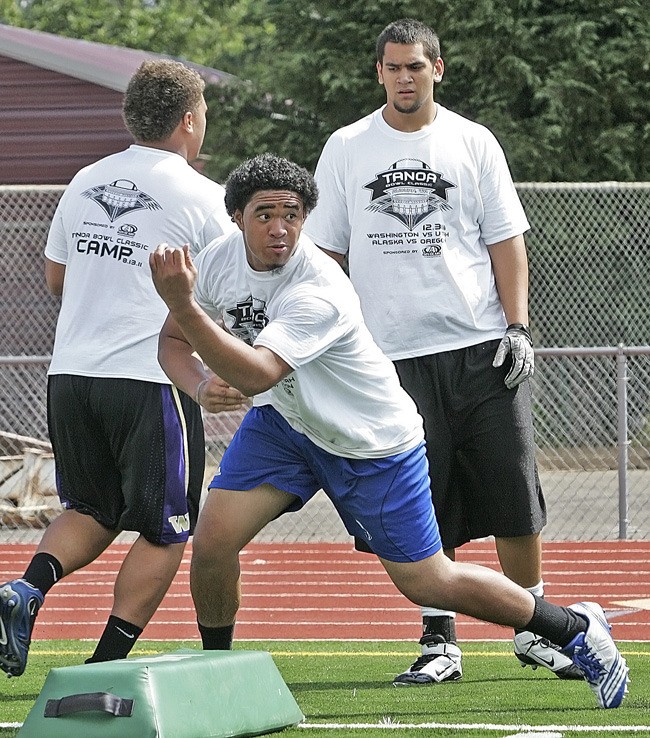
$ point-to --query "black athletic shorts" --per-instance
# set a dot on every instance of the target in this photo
(129, 453)
(480, 445)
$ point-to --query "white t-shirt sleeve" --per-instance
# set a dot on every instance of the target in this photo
(216, 225)
(56, 248)
(307, 327)
(328, 225)
(503, 213)
(203, 287)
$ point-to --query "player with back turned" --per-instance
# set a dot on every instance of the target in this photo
(128, 446)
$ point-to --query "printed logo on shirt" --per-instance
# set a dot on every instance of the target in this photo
(120, 197)
(248, 319)
(288, 384)
(409, 191)
(127, 229)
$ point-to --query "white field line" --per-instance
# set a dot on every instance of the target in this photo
(531, 729)
(534, 730)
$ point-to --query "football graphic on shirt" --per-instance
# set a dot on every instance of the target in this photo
(120, 197)
(409, 190)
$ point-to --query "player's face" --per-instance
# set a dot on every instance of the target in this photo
(408, 76)
(271, 223)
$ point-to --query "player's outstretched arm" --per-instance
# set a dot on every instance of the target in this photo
(249, 369)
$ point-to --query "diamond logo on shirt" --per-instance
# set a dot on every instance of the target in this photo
(409, 191)
(120, 197)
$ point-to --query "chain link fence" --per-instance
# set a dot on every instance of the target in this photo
(589, 250)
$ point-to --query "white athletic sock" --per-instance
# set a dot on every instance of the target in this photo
(435, 613)
(538, 589)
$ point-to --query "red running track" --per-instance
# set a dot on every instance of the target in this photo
(330, 592)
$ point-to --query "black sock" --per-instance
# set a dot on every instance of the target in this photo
(559, 624)
(43, 572)
(440, 625)
(216, 639)
(117, 640)
(523, 630)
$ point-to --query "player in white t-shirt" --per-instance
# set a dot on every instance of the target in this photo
(275, 317)
(128, 446)
(421, 203)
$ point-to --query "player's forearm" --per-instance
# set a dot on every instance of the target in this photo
(180, 364)
(510, 267)
(54, 276)
(250, 370)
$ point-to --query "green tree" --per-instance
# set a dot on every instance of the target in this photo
(310, 77)
(202, 31)
(9, 13)
(563, 84)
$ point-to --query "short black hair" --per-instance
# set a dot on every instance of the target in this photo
(269, 172)
(409, 31)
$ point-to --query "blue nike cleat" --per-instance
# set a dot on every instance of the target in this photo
(19, 603)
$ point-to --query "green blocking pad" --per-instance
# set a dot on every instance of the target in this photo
(184, 694)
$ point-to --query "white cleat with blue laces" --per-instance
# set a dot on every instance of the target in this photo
(596, 654)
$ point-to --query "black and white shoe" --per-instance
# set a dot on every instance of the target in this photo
(440, 662)
(531, 650)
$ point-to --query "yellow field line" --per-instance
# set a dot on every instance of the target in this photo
(466, 654)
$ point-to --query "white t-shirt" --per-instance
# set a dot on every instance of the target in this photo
(414, 212)
(112, 215)
(343, 394)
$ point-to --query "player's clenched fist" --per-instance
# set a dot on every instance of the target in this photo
(173, 274)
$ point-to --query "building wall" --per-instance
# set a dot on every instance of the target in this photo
(52, 125)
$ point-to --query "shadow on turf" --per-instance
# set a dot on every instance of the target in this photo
(22, 697)
(387, 684)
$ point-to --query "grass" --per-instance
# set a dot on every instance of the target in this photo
(350, 684)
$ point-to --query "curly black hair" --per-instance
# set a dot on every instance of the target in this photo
(158, 96)
(269, 172)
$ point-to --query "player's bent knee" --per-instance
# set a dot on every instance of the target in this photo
(423, 582)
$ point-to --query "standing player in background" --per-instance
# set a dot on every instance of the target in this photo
(422, 203)
(328, 413)
(128, 446)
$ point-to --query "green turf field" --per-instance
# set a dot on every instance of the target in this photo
(349, 684)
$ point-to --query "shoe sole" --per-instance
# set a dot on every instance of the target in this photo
(452, 678)
(10, 660)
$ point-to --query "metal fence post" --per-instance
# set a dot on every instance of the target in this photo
(623, 441)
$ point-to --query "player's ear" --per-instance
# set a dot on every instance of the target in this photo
(188, 121)
(380, 77)
(438, 70)
(238, 218)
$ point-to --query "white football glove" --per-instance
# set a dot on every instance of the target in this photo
(517, 342)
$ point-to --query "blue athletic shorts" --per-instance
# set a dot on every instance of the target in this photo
(386, 501)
